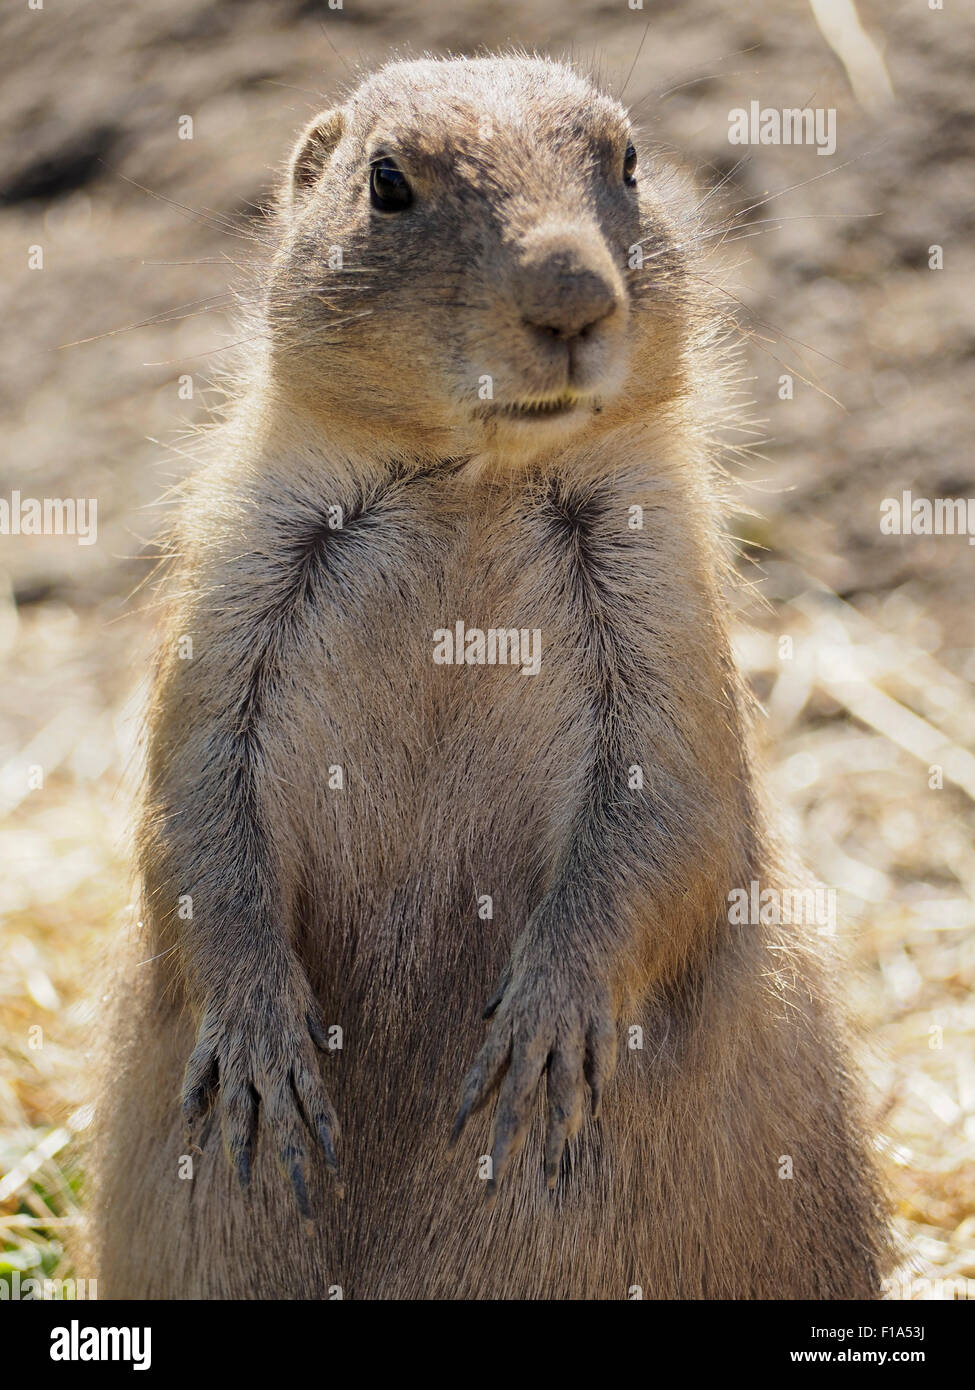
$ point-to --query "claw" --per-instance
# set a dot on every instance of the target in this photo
(600, 1061)
(317, 1111)
(207, 1130)
(317, 1032)
(478, 1085)
(459, 1123)
(239, 1116)
(515, 1105)
(293, 1161)
(482, 1078)
(491, 1007)
(554, 1149)
(199, 1088)
(463, 1114)
(323, 1130)
(565, 1090)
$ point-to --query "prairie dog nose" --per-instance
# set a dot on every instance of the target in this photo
(566, 287)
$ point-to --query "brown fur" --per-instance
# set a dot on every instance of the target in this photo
(359, 907)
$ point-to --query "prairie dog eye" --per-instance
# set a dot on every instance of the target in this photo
(389, 190)
(629, 167)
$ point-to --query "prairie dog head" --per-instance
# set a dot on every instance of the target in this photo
(473, 259)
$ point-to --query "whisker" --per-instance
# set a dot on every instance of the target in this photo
(803, 183)
(214, 220)
(721, 183)
(635, 61)
(240, 342)
(164, 316)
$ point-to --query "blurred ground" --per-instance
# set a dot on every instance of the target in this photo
(837, 290)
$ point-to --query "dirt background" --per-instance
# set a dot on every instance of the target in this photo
(834, 287)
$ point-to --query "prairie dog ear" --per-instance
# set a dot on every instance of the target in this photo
(311, 153)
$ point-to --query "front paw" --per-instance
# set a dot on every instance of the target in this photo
(255, 1066)
(546, 1020)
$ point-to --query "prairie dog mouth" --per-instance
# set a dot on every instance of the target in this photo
(548, 409)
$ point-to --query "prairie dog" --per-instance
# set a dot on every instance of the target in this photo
(479, 411)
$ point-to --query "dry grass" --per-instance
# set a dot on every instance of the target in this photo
(901, 854)
(64, 886)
